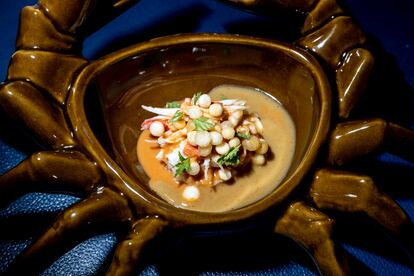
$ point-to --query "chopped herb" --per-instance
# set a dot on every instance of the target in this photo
(172, 105)
(242, 135)
(177, 116)
(222, 97)
(231, 158)
(202, 123)
(182, 166)
(195, 98)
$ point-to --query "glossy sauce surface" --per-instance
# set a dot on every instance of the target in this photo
(249, 185)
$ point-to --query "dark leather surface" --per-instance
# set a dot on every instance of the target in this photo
(390, 28)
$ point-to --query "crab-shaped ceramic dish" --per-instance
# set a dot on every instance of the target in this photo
(54, 92)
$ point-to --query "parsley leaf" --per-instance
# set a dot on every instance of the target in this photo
(172, 105)
(202, 123)
(182, 166)
(195, 98)
(242, 135)
(232, 158)
(177, 116)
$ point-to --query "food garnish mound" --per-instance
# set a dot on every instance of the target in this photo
(205, 142)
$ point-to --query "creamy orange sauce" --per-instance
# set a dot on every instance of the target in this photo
(146, 157)
(248, 187)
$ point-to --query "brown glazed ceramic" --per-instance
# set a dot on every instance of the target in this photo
(97, 142)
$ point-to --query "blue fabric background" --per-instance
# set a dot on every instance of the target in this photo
(390, 27)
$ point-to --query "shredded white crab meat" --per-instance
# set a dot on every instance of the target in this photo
(173, 157)
(206, 166)
(232, 102)
(160, 155)
(159, 117)
(161, 111)
(234, 107)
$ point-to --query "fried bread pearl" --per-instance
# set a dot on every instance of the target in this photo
(203, 138)
(190, 126)
(215, 110)
(223, 148)
(258, 159)
(235, 117)
(191, 193)
(191, 138)
(194, 168)
(157, 129)
(205, 151)
(224, 174)
(226, 124)
(204, 101)
(195, 112)
(216, 138)
(234, 142)
(179, 124)
(251, 144)
(263, 148)
(228, 133)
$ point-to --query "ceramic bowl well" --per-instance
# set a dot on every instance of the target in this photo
(176, 67)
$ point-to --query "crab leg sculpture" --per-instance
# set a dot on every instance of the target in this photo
(37, 95)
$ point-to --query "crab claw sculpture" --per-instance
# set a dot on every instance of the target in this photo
(44, 93)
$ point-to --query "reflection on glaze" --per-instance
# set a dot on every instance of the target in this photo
(333, 39)
(355, 193)
(351, 78)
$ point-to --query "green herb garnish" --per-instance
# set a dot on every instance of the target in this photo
(202, 123)
(177, 116)
(242, 135)
(195, 98)
(183, 165)
(172, 105)
(222, 97)
(231, 158)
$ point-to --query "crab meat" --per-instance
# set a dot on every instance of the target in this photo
(177, 136)
(232, 108)
(161, 111)
(147, 123)
(259, 125)
(161, 141)
(206, 165)
(173, 157)
(160, 155)
(231, 102)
